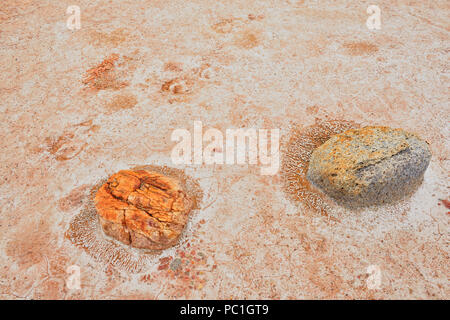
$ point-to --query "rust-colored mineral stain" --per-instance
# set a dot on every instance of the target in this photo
(29, 244)
(252, 16)
(54, 146)
(177, 85)
(72, 141)
(74, 199)
(113, 39)
(360, 48)
(164, 263)
(121, 102)
(64, 147)
(295, 160)
(446, 203)
(173, 66)
(247, 40)
(183, 273)
(223, 26)
(102, 76)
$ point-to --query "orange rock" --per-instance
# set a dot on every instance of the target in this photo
(142, 208)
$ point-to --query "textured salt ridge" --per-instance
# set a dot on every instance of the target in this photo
(373, 183)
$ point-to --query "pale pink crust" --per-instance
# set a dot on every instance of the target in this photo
(142, 208)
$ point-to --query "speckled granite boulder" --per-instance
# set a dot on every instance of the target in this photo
(369, 166)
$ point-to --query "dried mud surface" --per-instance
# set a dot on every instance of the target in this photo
(78, 106)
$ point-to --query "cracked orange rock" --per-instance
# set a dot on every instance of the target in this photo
(142, 208)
